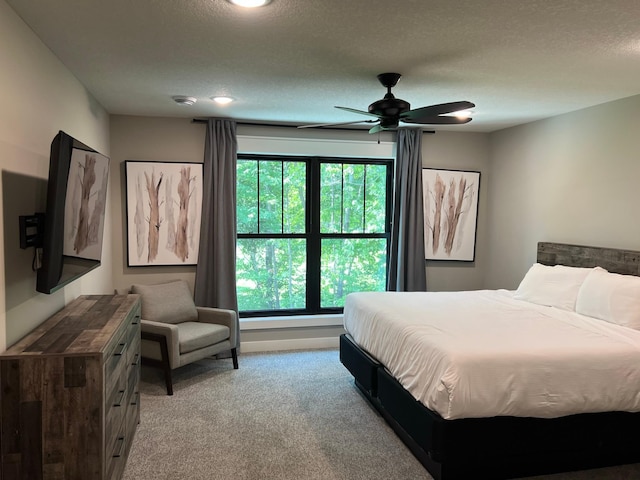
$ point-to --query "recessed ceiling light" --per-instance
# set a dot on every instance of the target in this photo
(222, 100)
(182, 100)
(250, 3)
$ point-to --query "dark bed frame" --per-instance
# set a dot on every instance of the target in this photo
(504, 447)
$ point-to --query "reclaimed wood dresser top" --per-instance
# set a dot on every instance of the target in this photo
(83, 327)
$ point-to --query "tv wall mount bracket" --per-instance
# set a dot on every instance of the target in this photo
(31, 230)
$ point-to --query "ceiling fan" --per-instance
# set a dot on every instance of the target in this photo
(390, 111)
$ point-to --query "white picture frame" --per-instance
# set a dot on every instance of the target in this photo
(164, 208)
(450, 200)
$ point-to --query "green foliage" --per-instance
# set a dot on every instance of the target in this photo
(271, 273)
(247, 196)
(271, 199)
(352, 198)
(351, 265)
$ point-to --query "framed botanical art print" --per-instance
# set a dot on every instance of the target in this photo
(450, 199)
(164, 206)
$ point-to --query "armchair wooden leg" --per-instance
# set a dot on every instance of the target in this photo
(163, 363)
(234, 357)
(167, 369)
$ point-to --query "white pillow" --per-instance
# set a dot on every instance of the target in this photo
(555, 286)
(611, 297)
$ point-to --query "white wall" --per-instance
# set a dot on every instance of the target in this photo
(39, 97)
(574, 178)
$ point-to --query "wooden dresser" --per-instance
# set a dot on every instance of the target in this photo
(69, 401)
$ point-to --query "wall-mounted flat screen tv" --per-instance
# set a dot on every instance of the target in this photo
(74, 217)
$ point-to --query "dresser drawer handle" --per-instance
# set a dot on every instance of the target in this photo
(136, 360)
(134, 400)
(136, 320)
(118, 403)
(120, 451)
(120, 352)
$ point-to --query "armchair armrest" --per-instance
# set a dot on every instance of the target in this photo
(169, 331)
(221, 316)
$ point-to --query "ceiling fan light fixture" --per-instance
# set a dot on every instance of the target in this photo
(222, 99)
(250, 3)
(183, 100)
(462, 114)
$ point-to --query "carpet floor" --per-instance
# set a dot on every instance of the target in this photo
(281, 416)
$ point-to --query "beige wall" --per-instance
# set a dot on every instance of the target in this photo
(171, 139)
(574, 178)
(148, 139)
(39, 96)
(460, 151)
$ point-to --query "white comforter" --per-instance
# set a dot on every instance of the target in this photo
(484, 354)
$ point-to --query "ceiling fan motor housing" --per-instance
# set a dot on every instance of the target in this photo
(389, 106)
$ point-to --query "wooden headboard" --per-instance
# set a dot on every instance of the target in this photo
(626, 262)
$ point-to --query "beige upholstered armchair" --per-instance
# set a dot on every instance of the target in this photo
(176, 332)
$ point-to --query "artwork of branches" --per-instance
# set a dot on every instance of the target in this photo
(164, 204)
(85, 204)
(450, 199)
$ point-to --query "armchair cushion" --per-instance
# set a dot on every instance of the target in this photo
(221, 316)
(167, 302)
(195, 335)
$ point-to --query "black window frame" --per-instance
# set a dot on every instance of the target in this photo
(312, 233)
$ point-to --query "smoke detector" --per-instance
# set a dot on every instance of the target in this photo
(182, 100)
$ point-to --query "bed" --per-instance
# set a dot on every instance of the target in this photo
(466, 412)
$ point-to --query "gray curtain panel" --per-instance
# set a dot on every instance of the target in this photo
(407, 255)
(215, 283)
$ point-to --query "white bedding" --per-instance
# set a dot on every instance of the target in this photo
(485, 354)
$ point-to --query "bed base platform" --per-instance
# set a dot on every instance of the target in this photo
(497, 447)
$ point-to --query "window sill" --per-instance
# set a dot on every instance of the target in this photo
(298, 321)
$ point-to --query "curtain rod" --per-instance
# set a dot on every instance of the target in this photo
(257, 124)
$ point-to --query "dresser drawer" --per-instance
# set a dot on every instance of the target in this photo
(117, 454)
(122, 352)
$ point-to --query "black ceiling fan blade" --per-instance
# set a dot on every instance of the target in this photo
(361, 112)
(439, 120)
(416, 115)
(317, 125)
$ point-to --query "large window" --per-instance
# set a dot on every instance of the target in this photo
(310, 231)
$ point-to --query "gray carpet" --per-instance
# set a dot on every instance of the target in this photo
(294, 415)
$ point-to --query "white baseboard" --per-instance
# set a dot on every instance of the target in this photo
(290, 344)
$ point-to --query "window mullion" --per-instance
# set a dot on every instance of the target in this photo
(342, 198)
(258, 197)
(314, 245)
(364, 200)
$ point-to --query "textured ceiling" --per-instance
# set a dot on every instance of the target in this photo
(292, 61)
